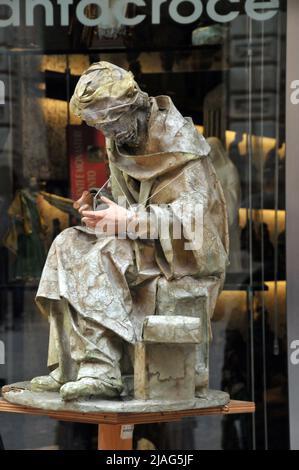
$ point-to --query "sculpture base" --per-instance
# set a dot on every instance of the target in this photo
(20, 394)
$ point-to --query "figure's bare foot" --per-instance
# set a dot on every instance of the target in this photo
(45, 383)
(87, 387)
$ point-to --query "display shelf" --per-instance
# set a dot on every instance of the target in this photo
(271, 210)
(11, 286)
(109, 50)
(255, 287)
(112, 426)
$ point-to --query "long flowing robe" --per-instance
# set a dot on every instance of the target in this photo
(115, 282)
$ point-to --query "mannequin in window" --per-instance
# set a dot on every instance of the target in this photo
(230, 182)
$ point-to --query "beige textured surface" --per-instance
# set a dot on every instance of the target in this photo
(165, 329)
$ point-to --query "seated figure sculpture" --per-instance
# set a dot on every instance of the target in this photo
(100, 281)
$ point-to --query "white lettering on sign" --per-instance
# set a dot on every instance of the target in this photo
(259, 11)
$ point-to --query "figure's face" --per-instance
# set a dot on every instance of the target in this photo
(124, 130)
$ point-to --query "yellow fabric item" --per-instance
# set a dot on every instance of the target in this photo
(18, 210)
(103, 89)
(19, 213)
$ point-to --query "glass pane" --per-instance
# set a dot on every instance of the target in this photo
(230, 79)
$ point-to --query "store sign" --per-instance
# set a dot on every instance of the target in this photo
(260, 11)
(87, 154)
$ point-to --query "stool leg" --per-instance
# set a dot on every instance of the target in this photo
(115, 437)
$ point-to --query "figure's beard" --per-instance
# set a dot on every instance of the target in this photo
(129, 137)
(134, 135)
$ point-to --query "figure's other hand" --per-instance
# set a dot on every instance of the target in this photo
(84, 203)
(107, 220)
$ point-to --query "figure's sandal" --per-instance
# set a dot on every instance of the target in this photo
(86, 387)
(45, 383)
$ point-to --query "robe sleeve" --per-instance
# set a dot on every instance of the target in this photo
(189, 223)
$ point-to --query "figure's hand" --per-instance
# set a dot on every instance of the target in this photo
(84, 203)
(107, 220)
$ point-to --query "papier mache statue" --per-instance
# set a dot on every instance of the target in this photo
(101, 279)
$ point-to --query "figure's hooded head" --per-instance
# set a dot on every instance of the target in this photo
(105, 95)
